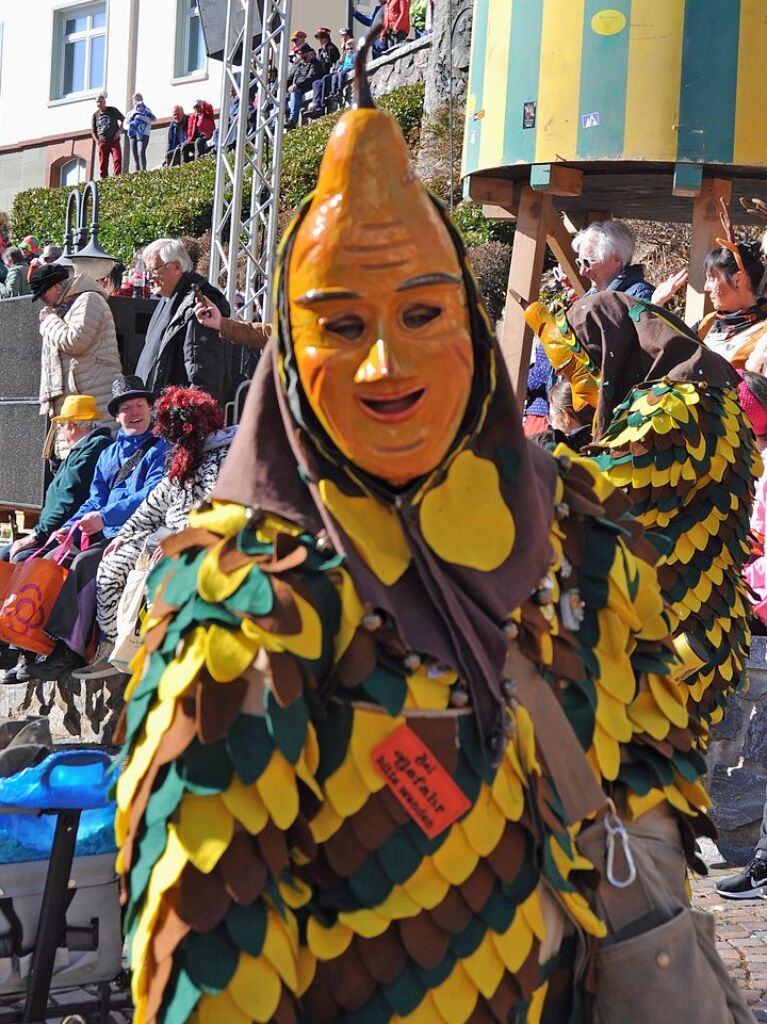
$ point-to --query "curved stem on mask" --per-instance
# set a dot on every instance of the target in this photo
(363, 97)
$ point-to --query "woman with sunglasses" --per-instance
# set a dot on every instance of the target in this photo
(737, 328)
(604, 252)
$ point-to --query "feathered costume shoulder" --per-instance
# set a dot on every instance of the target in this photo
(670, 433)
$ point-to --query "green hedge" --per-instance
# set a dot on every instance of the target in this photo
(477, 229)
(303, 148)
(136, 208)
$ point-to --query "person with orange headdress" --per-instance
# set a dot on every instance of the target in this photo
(395, 667)
(738, 324)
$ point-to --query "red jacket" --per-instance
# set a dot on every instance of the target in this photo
(397, 16)
(201, 122)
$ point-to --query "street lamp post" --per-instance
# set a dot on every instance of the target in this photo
(81, 243)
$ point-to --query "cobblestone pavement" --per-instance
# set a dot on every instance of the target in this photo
(741, 938)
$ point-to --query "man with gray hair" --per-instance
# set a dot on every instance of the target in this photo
(178, 348)
(605, 250)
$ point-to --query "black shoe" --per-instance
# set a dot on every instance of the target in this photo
(56, 665)
(19, 672)
(750, 884)
(8, 656)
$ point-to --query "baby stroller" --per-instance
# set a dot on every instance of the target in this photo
(60, 933)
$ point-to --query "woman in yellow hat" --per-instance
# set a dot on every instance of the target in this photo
(79, 426)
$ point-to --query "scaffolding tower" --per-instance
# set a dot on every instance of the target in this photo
(247, 191)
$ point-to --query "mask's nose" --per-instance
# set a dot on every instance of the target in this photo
(378, 363)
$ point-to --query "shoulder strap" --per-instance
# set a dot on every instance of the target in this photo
(579, 791)
(130, 463)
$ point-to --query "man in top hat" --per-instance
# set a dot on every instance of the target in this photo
(303, 75)
(125, 473)
(328, 53)
(80, 427)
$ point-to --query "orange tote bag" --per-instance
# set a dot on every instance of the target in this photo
(34, 588)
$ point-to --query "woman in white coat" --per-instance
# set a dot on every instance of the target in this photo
(80, 354)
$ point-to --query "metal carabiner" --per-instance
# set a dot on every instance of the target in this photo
(616, 830)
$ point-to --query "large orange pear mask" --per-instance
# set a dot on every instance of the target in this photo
(378, 308)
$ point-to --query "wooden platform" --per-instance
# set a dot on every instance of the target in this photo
(635, 191)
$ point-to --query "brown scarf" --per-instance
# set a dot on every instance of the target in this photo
(634, 342)
(445, 611)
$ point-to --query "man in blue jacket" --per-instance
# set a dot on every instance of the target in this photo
(125, 474)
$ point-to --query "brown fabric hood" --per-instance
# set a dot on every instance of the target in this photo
(445, 611)
(634, 342)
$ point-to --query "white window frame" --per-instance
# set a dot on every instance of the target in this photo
(59, 41)
(183, 24)
(72, 160)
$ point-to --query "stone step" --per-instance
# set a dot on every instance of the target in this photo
(78, 710)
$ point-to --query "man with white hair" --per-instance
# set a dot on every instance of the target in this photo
(178, 348)
(605, 250)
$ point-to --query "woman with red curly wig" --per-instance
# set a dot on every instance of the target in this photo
(192, 422)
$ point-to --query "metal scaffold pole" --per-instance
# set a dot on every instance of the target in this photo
(247, 191)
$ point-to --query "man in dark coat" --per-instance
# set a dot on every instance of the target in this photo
(179, 349)
(79, 425)
(177, 132)
(328, 53)
(305, 72)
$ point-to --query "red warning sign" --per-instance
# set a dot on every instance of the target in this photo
(419, 782)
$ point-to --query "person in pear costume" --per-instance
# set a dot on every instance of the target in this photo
(670, 433)
(398, 670)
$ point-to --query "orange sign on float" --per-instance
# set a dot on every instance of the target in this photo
(419, 782)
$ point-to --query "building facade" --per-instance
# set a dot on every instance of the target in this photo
(56, 56)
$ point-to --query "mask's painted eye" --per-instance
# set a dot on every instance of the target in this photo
(350, 327)
(420, 315)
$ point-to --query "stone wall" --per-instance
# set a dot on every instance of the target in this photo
(77, 710)
(451, 47)
(404, 65)
(737, 763)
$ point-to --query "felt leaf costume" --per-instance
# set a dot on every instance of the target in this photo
(670, 433)
(325, 599)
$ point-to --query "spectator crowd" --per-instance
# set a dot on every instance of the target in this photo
(132, 453)
(318, 77)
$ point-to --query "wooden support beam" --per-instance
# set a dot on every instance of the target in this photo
(556, 179)
(498, 213)
(706, 226)
(560, 240)
(574, 221)
(535, 211)
(491, 191)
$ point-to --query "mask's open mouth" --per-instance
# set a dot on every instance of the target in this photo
(395, 408)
